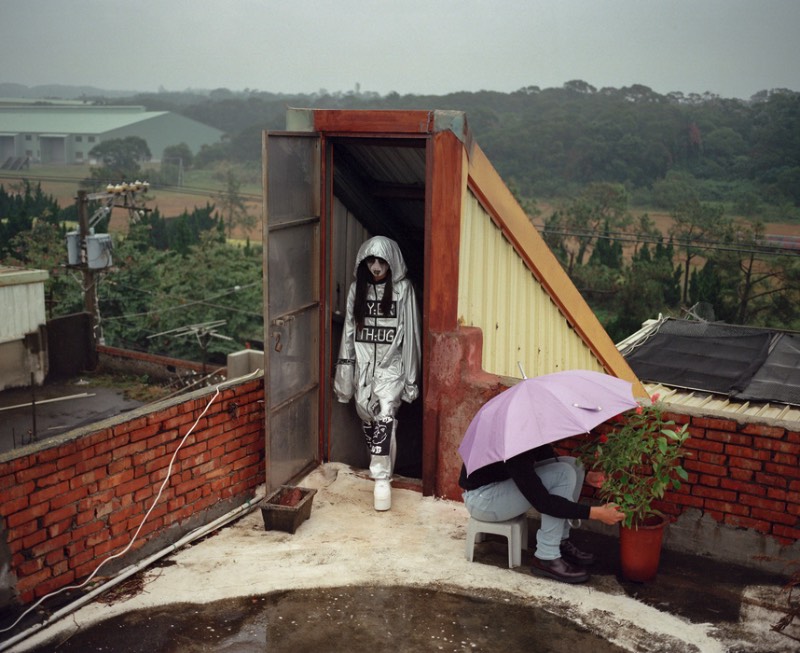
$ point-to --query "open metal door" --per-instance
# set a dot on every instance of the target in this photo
(292, 303)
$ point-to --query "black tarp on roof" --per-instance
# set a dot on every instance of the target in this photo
(744, 363)
(778, 379)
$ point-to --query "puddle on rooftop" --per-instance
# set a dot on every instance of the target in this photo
(338, 619)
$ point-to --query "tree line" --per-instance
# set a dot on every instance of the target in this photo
(708, 264)
(552, 142)
(718, 167)
(168, 272)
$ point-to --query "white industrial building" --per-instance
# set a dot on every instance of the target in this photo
(66, 133)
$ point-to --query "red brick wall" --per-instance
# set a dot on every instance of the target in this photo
(742, 475)
(69, 506)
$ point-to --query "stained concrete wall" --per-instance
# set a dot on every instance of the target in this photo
(23, 342)
(244, 362)
(19, 364)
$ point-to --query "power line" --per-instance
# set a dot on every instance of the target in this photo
(185, 190)
(189, 303)
(699, 244)
(189, 190)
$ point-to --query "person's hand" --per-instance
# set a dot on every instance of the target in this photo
(608, 514)
(595, 479)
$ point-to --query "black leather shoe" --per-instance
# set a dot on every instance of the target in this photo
(573, 554)
(558, 569)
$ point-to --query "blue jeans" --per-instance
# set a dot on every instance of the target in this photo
(503, 500)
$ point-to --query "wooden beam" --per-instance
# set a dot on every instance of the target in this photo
(446, 187)
(373, 122)
(446, 184)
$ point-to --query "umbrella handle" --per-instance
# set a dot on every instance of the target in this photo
(594, 408)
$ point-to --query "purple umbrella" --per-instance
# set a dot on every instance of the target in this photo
(541, 410)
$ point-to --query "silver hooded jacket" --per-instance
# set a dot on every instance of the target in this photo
(380, 365)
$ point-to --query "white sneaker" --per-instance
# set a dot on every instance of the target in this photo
(383, 495)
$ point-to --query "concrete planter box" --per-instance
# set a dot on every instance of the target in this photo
(286, 508)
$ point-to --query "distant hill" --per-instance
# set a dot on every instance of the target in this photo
(58, 91)
(548, 143)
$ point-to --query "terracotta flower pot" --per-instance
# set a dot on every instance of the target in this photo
(640, 549)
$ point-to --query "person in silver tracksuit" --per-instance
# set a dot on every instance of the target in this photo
(379, 356)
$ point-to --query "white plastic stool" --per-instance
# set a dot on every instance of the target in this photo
(514, 530)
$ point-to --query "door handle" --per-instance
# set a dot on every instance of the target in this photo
(279, 324)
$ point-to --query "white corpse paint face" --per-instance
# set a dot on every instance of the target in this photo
(378, 267)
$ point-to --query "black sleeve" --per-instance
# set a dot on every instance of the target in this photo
(521, 470)
(543, 452)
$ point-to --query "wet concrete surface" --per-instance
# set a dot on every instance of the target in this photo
(338, 620)
(420, 615)
(696, 588)
(231, 626)
(29, 415)
(395, 618)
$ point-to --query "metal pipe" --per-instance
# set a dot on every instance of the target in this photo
(82, 395)
(129, 571)
(33, 404)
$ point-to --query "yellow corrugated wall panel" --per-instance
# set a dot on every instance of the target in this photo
(500, 295)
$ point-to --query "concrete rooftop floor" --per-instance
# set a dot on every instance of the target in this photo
(29, 416)
(695, 604)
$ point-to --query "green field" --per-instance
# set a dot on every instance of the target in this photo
(199, 186)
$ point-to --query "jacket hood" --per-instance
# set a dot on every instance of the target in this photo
(384, 248)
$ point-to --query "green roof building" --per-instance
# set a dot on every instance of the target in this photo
(65, 133)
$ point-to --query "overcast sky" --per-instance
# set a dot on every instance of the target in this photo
(732, 48)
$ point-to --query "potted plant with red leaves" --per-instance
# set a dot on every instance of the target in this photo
(639, 460)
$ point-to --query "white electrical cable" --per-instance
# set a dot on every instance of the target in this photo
(144, 519)
(196, 534)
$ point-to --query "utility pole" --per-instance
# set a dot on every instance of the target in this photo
(89, 285)
(91, 253)
(180, 167)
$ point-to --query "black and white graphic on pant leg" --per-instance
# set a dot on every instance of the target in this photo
(368, 428)
(381, 436)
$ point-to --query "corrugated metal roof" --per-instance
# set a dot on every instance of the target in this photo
(383, 182)
(71, 120)
(379, 174)
(696, 367)
(391, 165)
(706, 404)
(498, 293)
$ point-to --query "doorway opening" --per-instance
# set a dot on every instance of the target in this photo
(374, 187)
